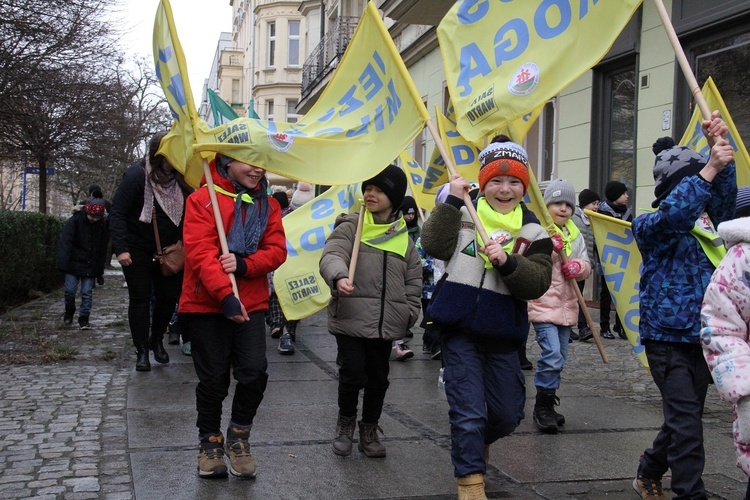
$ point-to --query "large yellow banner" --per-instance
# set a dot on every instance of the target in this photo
(298, 284)
(504, 59)
(368, 114)
(694, 138)
(621, 266)
(415, 174)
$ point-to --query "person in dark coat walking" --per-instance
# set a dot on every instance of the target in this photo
(82, 255)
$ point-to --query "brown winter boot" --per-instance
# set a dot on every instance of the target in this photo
(369, 444)
(342, 445)
(471, 487)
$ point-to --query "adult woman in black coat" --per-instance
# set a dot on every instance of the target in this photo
(150, 188)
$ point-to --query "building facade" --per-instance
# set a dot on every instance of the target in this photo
(600, 127)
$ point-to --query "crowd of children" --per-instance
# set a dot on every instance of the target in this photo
(477, 297)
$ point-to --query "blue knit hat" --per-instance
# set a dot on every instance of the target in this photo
(743, 202)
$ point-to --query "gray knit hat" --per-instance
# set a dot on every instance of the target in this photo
(560, 190)
(743, 202)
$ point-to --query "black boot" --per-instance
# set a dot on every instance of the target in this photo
(142, 364)
(345, 426)
(525, 363)
(369, 444)
(157, 347)
(68, 317)
(545, 417)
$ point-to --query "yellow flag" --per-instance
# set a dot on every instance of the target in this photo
(621, 265)
(694, 138)
(368, 114)
(298, 284)
(171, 69)
(464, 154)
(504, 59)
(415, 174)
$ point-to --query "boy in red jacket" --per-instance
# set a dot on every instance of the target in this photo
(228, 333)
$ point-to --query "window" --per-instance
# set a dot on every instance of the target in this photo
(541, 142)
(269, 110)
(294, 43)
(271, 44)
(236, 92)
(291, 110)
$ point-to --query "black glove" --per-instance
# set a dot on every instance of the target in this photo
(100, 280)
(230, 306)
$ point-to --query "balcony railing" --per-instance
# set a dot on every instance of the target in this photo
(326, 56)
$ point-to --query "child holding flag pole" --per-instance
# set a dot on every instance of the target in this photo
(479, 304)
(371, 304)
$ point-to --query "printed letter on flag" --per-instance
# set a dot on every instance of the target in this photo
(416, 176)
(504, 59)
(298, 284)
(621, 265)
(694, 138)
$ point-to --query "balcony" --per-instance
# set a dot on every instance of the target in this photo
(326, 56)
(426, 12)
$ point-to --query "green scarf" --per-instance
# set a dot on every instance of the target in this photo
(503, 228)
(391, 237)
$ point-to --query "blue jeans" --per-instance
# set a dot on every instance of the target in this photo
(486, 392)
(553, 340)
(682, 376)
(87, 294)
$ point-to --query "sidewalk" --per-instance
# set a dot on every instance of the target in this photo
(92, 427)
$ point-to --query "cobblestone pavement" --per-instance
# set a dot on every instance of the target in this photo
(63, 426)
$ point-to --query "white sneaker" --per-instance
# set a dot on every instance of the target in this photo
(402, 351)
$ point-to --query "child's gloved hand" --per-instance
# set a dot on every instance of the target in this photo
(557, 242)
(572, 269)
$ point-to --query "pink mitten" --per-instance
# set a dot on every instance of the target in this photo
(557, 242)
(571, 269)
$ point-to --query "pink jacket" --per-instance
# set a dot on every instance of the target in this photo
(725, 317)
(560, 304)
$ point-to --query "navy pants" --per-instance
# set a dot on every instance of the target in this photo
(220, 346)
(682, 376)
(486, 392)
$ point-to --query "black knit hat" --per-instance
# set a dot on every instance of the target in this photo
(672, 164)
(280, 196)
(392, 181)
(613, 190)
(409, 206)
(587, 196)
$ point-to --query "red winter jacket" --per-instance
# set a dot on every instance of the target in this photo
(205, 284)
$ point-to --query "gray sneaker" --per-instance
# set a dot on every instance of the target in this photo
(286, 346)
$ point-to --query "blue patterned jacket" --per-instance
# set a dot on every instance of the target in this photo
(675, 270)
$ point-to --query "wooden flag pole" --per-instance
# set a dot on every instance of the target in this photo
(682, 60)
(357, 239)
(219, 223)
(452, 170)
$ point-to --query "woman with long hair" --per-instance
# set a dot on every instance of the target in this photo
(150, 189)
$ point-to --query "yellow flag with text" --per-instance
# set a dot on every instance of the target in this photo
(504, 59)
(171, 70)
(416, 175)
(298, 284)
(694, 138)
(368, 114)
(621, 266)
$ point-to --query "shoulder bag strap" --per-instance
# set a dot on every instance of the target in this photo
(156, 231)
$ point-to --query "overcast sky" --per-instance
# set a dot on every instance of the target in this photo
(198, 23)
